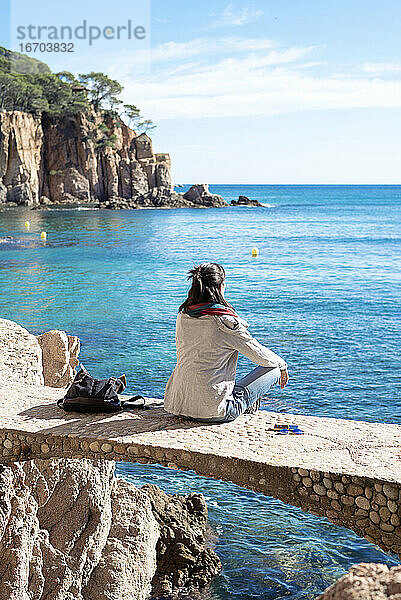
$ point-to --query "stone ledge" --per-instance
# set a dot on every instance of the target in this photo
(347, 471)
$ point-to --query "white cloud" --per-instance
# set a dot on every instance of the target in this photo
(233, 77)
(207, 46)
(238, 17)
(182, 51)
(382, 67)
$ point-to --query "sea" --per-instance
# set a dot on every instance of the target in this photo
(324, 293)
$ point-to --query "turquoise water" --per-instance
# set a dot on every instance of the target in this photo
(324, 293)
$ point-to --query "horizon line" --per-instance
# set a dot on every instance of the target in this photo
(297, 184)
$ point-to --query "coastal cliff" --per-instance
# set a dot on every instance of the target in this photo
(46, 159)
(93, 159)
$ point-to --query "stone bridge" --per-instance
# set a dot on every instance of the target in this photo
(347, 471)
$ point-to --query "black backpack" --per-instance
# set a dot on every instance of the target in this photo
(87, 395)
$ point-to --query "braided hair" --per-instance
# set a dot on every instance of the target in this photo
(207, 279)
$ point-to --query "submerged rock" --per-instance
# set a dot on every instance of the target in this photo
(366, 581)
(245, 201)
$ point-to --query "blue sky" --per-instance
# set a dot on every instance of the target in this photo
(290, 91)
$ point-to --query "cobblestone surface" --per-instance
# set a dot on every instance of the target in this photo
(348, 471)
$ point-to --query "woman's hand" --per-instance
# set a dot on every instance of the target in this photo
(284, 379)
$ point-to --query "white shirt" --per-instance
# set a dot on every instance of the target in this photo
(207, 354)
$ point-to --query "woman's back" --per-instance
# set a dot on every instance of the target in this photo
(209, 336)
(204, 377)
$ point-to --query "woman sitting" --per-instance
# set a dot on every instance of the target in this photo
(209, 336)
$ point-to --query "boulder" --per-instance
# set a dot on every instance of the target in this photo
(199, 195)
(20, 355)
(59, 357)
(245, 201)
(366, 581)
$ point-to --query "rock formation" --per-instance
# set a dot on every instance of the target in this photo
(21, 144)
(245, 201)
(85, 159)
(48, 359)
(368, 581)
(75, 159)
(20, 355)
(181, 552)
(199, 195)
(69, 530)
(59, 357)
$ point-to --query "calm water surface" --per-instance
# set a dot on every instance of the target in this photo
(324, 293)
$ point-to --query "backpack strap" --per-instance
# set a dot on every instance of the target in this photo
(134, 402)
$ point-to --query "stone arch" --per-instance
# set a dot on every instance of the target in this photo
(369, 506)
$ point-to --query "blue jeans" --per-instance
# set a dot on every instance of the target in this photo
(246, 391)
(249, 389)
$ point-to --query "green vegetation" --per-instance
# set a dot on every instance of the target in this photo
(135, 119)
(106, 141)
(101, 90)
(29, 85)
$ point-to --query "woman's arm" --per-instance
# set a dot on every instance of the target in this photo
(238, 337)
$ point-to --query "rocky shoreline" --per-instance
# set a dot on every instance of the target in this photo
(245, 201)
(71, 530)
(92, 160)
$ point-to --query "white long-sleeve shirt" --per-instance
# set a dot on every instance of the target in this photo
(207, 354)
